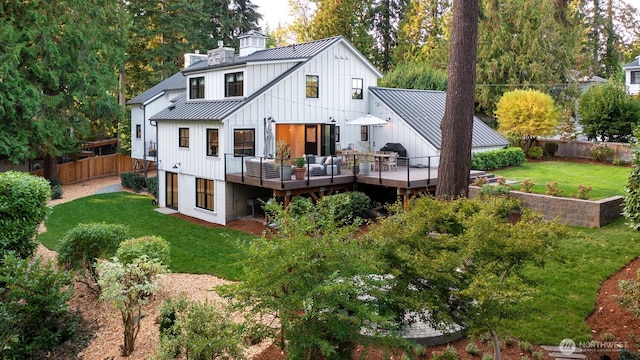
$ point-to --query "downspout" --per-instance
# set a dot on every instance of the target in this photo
(144, 137)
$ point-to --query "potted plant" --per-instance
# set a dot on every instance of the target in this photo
(299, 170)
(283, 151)
(364, 160)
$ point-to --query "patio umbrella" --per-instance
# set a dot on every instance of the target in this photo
(368, 120)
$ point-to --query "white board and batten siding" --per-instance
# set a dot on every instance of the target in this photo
(193, 163)
(140, 116)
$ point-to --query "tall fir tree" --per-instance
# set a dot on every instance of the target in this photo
(60, 75)
(386, 16)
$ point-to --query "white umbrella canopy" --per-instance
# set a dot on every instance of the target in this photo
(368, 120)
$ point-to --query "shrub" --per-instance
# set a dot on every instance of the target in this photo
(537, 355)
(487, 356)
(601, 151)
(494, 190)
(56, 192)
(480, 181)
(128, 287)
(154, 247)
(550, 149)
(23, 206)
(133, 181)
(526, 186)
(583, 192)
(553, 190)
(449, 353)
(34, 314)
(152, 186)
(535, 152)
(197, 330)
(83, 245)
(300, 206)
(344, 208)
(628, 355)
(472, 349)
(489, 160)
(525, 346)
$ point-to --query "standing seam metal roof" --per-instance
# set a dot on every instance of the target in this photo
(176, 81)
(423, 110)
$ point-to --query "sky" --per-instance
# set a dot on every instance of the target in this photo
(275, 11)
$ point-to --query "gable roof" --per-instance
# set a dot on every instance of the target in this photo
(423, 110)
(301, 52)
(633, 64)
(176, 81)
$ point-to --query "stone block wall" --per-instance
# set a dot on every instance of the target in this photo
(575, 212)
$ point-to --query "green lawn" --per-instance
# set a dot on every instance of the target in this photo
(605, 180)
(567, 291)
(194, 248)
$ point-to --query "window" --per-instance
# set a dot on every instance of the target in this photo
(233, 84)
(338, 134)
(635, 77)
(204, 194)
(138, 131)
(212, 142)
(196, 88)
(244, 142)
(312, 86)
(356, 88)
(364, 133)
(183, 137)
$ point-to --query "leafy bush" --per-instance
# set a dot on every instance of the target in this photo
(152, 186)
(133, 181)
(535, 152)
(525, 346)
(494, 190)
(472, 349)
(489, 160)
(553, 189)
(601, 151)
(153, 247)
(56, 192)
(550, 149)
(526, 186)
(583, 192)
(449, 353)
(83, 245)
(23, 206)
(197, 330)
(345, 208)
(628, 355)
(537, 355)
(128, 287)
(34, 314)
(480, 181)
(300, 205)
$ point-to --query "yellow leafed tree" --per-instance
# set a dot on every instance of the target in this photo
(527, 113)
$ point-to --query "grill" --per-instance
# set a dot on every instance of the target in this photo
(398, 148)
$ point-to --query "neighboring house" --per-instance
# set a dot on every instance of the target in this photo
(233, 107)
(632, 76)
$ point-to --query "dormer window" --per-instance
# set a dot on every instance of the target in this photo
(233, 84)
(196, 88)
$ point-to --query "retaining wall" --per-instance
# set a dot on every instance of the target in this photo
(575, 212)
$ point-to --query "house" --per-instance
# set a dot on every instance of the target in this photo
(230, 111)
(632, 76)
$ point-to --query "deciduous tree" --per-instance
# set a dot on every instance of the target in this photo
(527, 113)
(415, 75)
(607, 113)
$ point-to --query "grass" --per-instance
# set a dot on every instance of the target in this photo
(195, 249)
(606, 180)
(567, 291)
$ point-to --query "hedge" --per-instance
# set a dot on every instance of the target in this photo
(489, 160)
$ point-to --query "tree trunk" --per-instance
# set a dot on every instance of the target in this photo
(496, 345)
(50, 168)
(457, 123)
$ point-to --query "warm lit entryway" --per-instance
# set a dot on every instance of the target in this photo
(315, 139)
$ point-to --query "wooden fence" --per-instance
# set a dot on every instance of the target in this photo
(91, 168)
(581, 149)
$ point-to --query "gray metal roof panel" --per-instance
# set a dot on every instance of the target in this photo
(198, 110)
(174, 82)
(634, 63)
(423, 110)
(283, 53)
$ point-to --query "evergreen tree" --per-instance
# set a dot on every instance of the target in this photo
(526, 43)
(386, 15)
(424, 33)
(58, 76)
